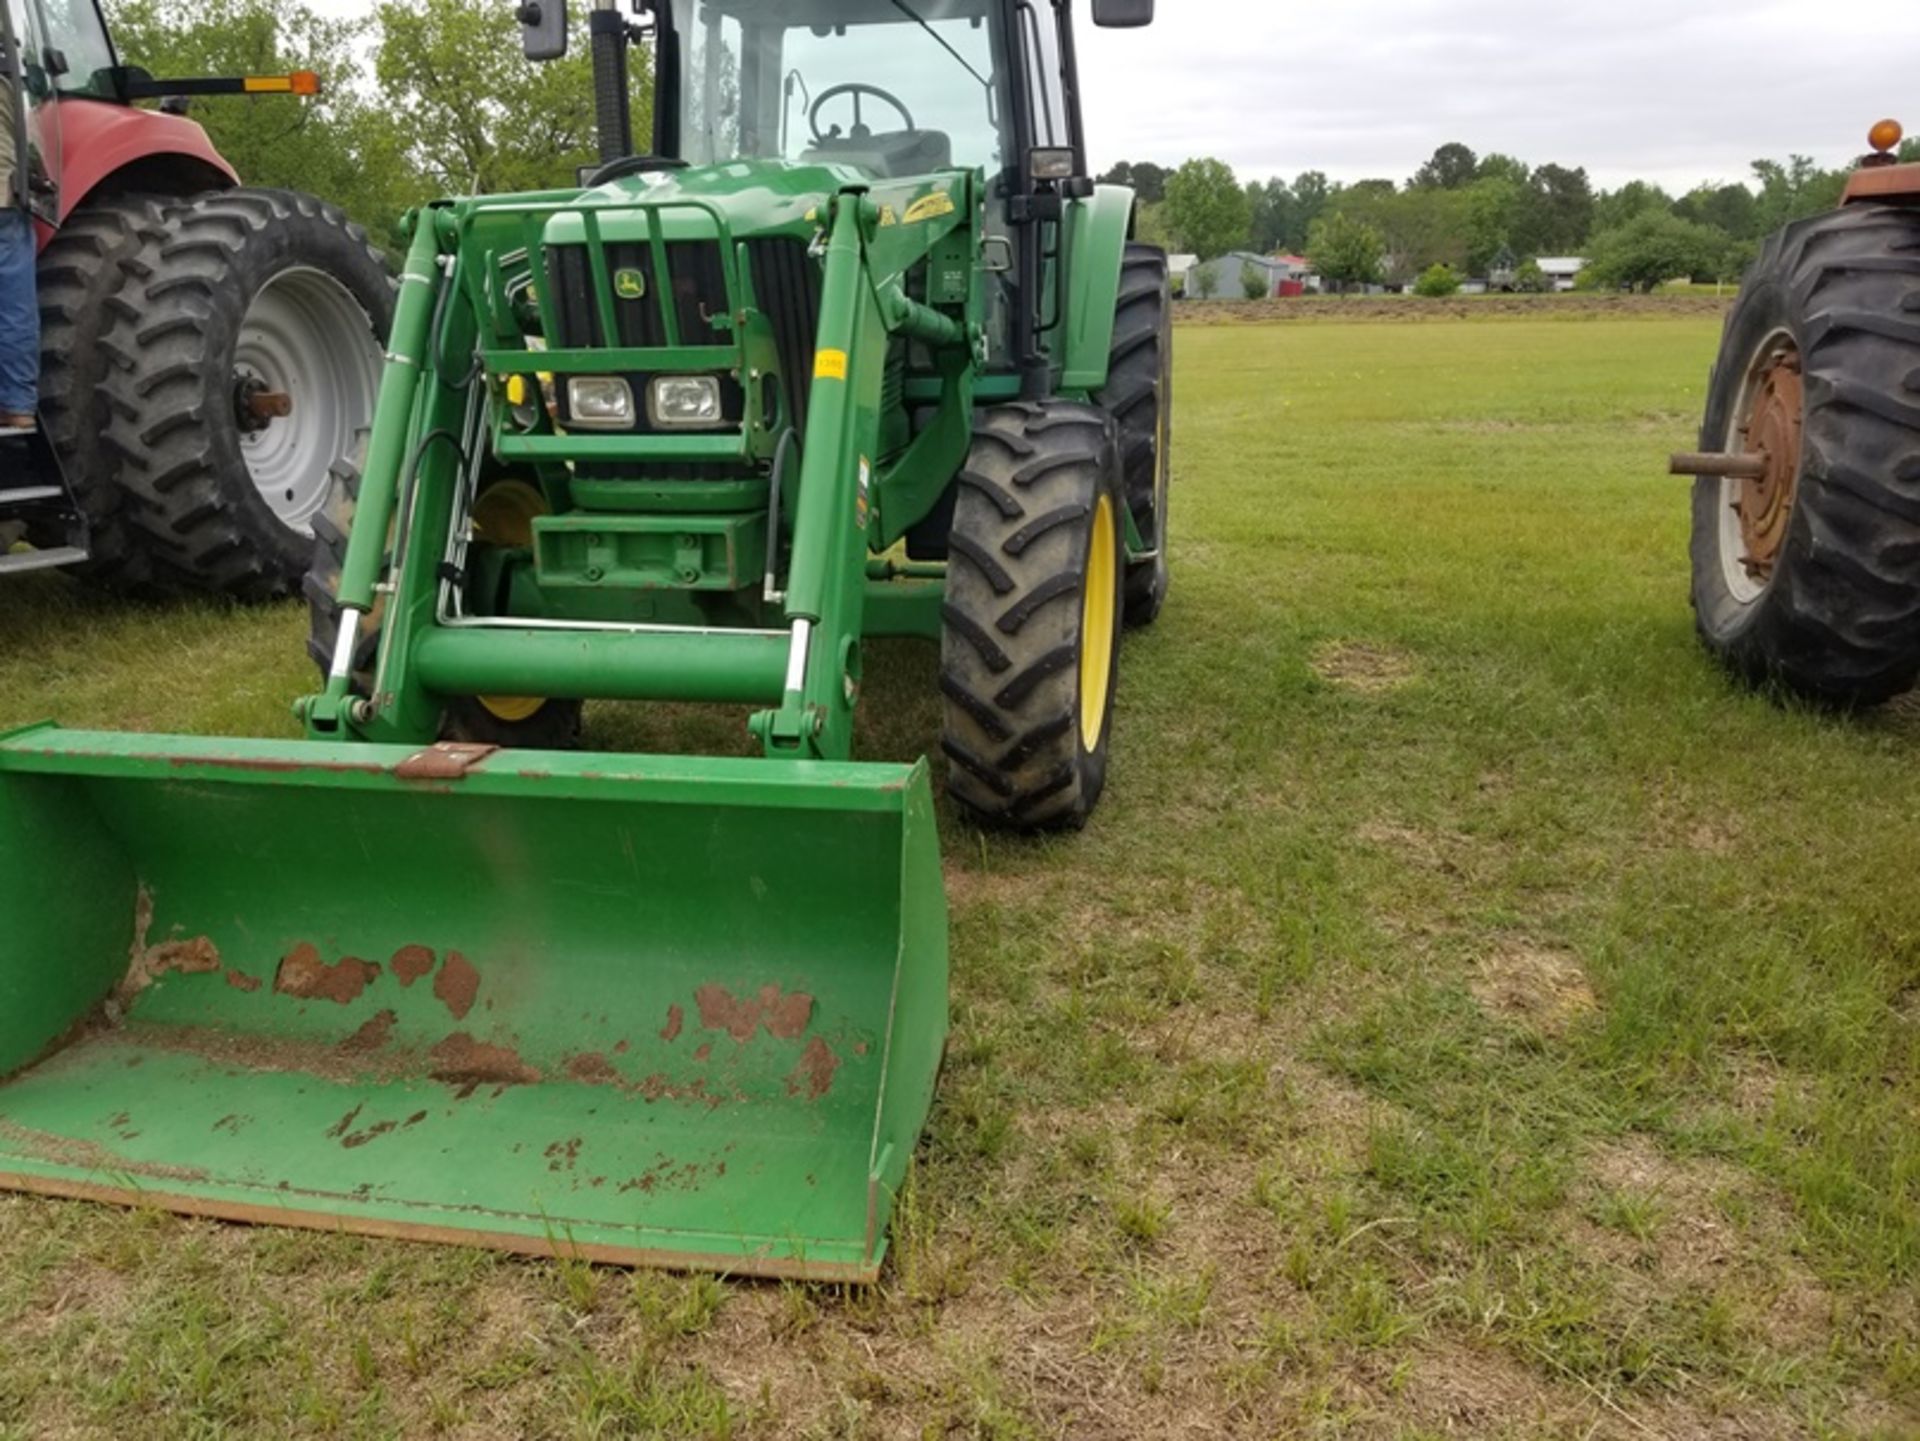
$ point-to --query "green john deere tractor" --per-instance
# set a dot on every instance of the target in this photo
(858, 351)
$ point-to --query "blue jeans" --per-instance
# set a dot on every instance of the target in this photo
(19, 315)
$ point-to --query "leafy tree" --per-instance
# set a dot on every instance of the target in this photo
(476, 117)
(1311, 192)
(1205, 281)
(1561, 211)
(1273, 207)
(1530, 279)
(1615, 208)
(1147, 180)
(339, 145)
(1496, 218)
(1731, 208)
(1346, 251)
(1150, 226)
(1452, 167)
(1504, 167)
(1419, 227)
(1254, 283)
(1653, 247)
(1206, 208)
(1437, 282)
(1793, 191)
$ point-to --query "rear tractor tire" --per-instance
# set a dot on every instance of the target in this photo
(78, 274)
(1807, 579)
(243, 358)
(1139, 396)
(1030, 648)
(502, 515)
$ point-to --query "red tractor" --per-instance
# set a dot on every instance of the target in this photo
(210, 353)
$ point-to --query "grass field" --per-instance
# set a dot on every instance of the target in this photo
(1468, 1016)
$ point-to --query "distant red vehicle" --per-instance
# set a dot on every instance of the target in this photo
(210, 353)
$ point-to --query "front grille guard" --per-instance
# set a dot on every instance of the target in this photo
(503, 251)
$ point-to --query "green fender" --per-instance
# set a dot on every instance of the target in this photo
(1096, 244)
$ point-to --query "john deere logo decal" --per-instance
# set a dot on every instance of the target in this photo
(629, 284)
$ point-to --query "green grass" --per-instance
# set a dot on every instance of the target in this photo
(1468, 1015)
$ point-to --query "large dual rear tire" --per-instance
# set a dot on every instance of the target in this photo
(1807, 579)
(1030, 649)
(175, 334)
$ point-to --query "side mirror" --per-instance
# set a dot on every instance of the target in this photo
(543, 28)
(1123, 14)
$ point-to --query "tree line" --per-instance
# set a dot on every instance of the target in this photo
(421, 98)
(1462, 214)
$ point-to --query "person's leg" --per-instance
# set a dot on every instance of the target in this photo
(19, 317)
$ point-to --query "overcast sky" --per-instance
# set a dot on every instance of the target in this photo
(1676, 91)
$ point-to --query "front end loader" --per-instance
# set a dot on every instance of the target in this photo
(831, 363)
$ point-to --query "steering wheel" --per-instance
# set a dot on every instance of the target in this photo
(856, 89)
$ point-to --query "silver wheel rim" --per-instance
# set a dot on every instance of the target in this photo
(307, 338)
(1732, 545)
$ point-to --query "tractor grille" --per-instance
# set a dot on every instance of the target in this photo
(699, 293)
(786, 281)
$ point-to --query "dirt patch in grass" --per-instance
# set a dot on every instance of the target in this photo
(1542, 985)
(1368, 669)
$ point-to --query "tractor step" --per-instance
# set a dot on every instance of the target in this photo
(26, 560)
(34, 497)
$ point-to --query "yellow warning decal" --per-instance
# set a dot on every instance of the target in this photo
(830, 365)
(929, 207)
(887, 217)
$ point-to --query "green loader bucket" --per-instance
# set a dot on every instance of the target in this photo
(668, 1011)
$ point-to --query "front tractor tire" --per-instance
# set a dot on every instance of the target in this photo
(242, 362)
(502, 515)
(1139, 396)
(1806, 579)
(1030, 642)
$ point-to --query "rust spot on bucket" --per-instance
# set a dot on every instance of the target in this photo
(372, 1133)
(456, 985)
(345, 1124)
(410, 963)
(590, 1068)
(784, 1016)
(562, 1155)
(373, 1033)
(306, 977)
(676, 1018)
(704, 1052)
(241, 981)
(813, 1076)
(190, 958)
(463, 1061)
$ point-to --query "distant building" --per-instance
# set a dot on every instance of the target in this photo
(1561, 270)
(1283, 274)
(1180, 269)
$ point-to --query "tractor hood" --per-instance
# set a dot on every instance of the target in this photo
(752, 199)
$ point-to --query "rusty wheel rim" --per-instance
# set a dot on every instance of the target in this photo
(1756, 511)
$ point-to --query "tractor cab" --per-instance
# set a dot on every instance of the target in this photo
(891, 88)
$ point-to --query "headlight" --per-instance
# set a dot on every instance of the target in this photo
(674, 400)
(600, 402)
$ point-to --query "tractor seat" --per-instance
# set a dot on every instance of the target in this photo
(888, 153)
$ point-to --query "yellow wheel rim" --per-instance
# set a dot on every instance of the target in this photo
(1097, 619)
(503, 515)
